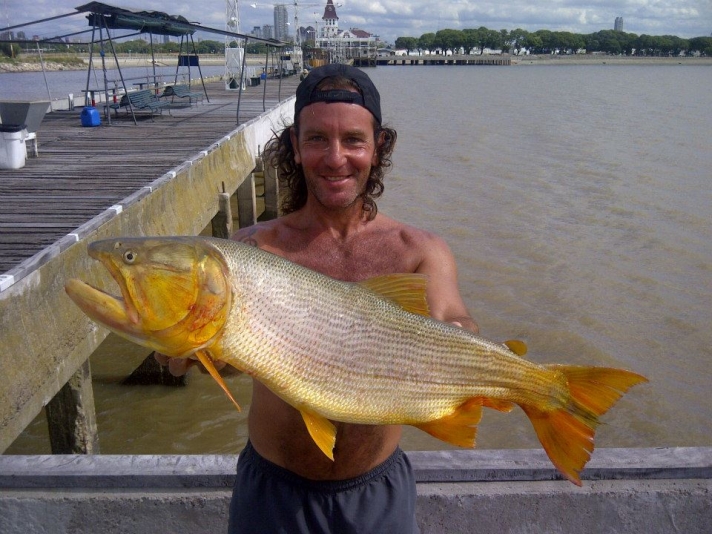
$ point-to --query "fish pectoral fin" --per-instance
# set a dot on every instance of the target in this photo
(207, 361)
(322, 431)
(458, 428)
(407, 290)
(517, 347)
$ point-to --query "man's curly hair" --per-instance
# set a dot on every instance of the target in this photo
(279, 153)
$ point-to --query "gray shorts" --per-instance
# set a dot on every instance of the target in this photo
(270, 499)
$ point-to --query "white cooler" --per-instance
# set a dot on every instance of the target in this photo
(12, 146)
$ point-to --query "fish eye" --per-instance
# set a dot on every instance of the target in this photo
(129, 256)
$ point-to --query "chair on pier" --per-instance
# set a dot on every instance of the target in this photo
(182, 91)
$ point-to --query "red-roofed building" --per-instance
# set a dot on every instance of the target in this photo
(345, 46)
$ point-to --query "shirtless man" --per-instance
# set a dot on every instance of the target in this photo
(334, 157)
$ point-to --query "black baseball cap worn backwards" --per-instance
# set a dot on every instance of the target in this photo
(368, 98)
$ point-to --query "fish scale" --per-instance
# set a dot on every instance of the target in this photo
(428, 360)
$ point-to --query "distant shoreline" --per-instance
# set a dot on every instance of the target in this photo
(252, 60)
(124, 62)
(599, 59)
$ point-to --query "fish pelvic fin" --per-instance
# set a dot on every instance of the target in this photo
(407, 290)
(207, 361)
(517, 347)
(321, 430)
(567, 433)
(459, 427)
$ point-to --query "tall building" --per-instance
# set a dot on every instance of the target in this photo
(618, 26)
(281, 22)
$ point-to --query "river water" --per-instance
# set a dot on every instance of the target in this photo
(577, 202)
(32, 85)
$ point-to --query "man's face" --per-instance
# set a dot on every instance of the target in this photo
(336, 149)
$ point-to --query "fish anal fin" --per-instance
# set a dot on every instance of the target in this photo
(322, 431)
(517, 347)
(499, 405)
(405, 289)
(567, 433)
(207, 361)
(457, 428)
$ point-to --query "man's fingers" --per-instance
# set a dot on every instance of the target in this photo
(180, 366)
(176, 366)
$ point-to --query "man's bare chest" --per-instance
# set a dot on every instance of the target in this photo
(359, 261)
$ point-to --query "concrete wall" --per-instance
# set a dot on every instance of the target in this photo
(514, 491)
(44, 336)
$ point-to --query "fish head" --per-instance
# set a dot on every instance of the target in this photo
(175, 292)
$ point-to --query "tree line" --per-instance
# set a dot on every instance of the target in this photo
(548, 42)
(136, 46)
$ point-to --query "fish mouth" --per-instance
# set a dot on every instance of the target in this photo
(117, 313)
(103, 307)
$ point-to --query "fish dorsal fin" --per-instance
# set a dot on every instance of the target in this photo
(458, 428)
(407, 290)
(207, 362)
(517, 347)
(322, 431)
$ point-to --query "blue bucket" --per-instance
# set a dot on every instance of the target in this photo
(90, 117)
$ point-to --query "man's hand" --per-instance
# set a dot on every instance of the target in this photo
(180, 366)
(467, 323)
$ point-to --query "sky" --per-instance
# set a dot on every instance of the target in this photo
(390, 19)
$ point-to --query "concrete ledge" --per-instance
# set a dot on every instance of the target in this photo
(625, 490)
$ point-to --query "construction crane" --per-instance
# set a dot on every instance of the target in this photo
(297, 36)
(233, 52)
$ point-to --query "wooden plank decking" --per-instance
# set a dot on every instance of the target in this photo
(82, 171)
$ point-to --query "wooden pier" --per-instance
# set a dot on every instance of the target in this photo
(168, 176)
(81, 171)
(438, 59)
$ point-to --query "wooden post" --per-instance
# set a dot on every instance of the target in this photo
(72, 418)
(247, 202)
(271, 193)
(222, 222)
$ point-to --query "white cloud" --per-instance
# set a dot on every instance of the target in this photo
(394, 18)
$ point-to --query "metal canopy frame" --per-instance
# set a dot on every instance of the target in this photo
(103, 17)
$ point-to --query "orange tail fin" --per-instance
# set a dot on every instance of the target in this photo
(567, 433)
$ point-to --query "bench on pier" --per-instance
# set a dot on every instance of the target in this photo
(182, 91)
(143, 100)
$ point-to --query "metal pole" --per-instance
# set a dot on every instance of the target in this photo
(264, 89)
(39, 51)
(242, 80)
(202, 80)
(91, 58)
(123, 83)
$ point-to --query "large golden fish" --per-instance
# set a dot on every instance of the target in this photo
(352, 352)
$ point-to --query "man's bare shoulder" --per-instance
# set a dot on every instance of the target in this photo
(267, 235)
(407, 235)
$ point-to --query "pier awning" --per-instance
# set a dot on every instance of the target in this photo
(154, 22)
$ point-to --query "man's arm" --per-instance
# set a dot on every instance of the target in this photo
(443, 293)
